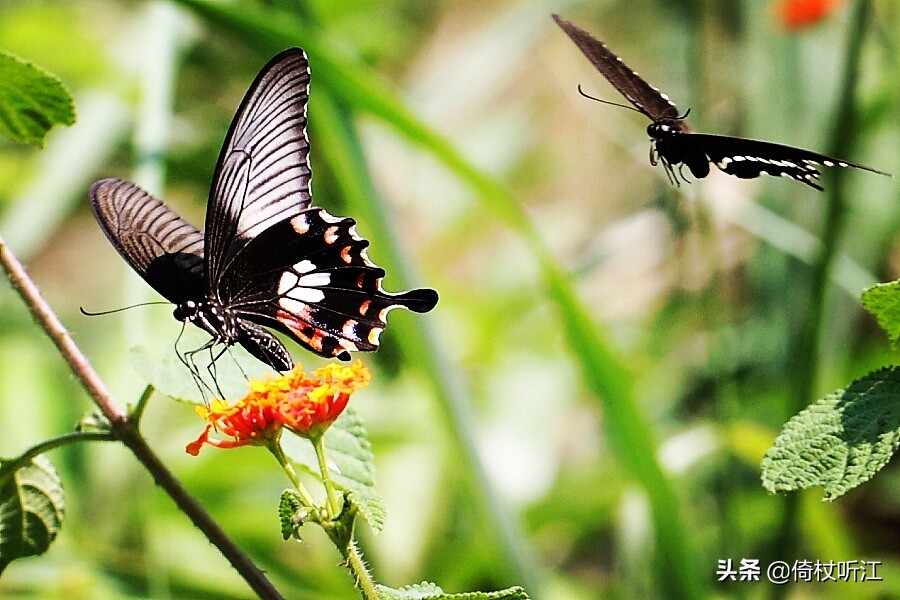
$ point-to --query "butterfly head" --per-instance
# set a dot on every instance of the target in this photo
(212, 317)
(185, 311)
(666, 128)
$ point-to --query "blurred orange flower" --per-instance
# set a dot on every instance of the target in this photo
(305, 405)
(795, 14)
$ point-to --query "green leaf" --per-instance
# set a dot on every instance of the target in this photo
(166, 374)
(31, 101)
(430, 591)
(883, 301)
(32, 508)
(165, 371)
(292, 513)
(350, 458)
(839, 442)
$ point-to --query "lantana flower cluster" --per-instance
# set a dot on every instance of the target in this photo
(305, 405)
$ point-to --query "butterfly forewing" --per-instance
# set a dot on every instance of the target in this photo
(263, 173)
(162, 247)
(644, 96)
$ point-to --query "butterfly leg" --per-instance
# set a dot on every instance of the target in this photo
(211, 366)
(670, 173)
(655, 159)
(187, 359)
(237, 364)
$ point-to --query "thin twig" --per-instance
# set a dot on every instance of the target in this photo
(122, 429)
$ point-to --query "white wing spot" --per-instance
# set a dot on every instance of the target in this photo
(304, 266)
(287, 282)
(349, 329)
(329, 218)
(292, 306)
(365, 257)
(314, 280)
(374, 334)
(348, 345)
(300, 296)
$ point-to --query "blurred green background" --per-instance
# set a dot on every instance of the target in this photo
(585, 411)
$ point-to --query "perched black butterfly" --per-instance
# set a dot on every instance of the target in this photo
(267, 259)
(675, 144)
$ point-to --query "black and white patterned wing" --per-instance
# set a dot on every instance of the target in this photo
(311, 279)
(746, 158)
(646, 98)
(263, 174)
(163, 248)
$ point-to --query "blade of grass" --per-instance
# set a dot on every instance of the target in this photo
(629, 432)
(340, 142)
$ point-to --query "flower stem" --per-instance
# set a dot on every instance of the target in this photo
(275, 448)
(358, 567)
(332, 504)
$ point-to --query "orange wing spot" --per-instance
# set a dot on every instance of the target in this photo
(361, 280)
(331, 235)
(300, 224)
(364, 307)
(345, 254)
(316, 339)
(304, 332)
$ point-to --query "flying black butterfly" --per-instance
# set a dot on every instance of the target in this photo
(675, 144)
(267, 258)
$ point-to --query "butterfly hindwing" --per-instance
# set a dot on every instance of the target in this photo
(163, 248)
(746, 158)
(314, 281)
(263, 173)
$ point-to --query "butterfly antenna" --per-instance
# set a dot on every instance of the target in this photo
(115, 310)
(589, 97)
